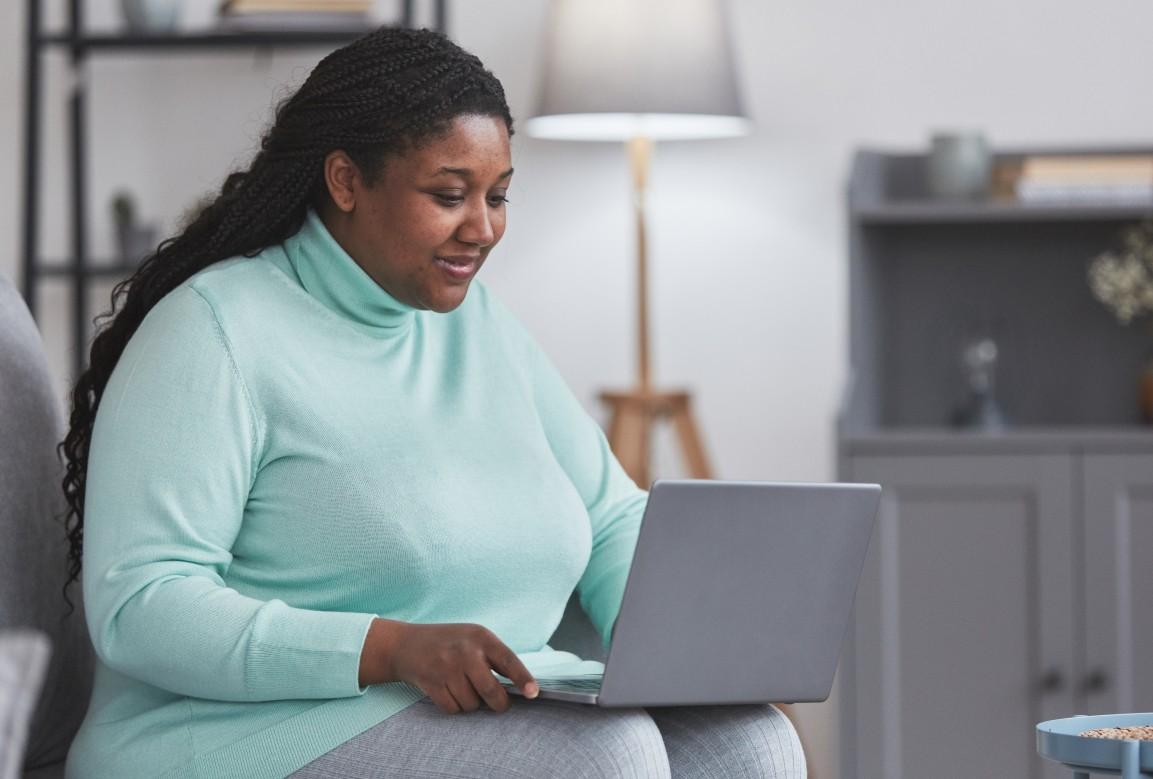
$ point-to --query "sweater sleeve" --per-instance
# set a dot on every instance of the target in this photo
(614, 503)
(174, 452)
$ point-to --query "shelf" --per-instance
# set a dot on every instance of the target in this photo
(917, 441)
(892, 189)
(919, 212)
(80, 45)
(100, 270)
(209, 39)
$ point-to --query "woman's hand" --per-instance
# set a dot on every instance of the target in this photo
(451, 663)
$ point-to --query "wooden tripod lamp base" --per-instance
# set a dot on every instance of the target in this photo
(634, 416)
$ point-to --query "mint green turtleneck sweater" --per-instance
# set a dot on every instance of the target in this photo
(284, 452)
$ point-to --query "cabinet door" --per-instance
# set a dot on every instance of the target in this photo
(1118, 574)
(963, 636)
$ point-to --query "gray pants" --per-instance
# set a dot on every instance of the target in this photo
(545, 739)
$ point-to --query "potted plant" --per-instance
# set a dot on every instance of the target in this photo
(1122, 279)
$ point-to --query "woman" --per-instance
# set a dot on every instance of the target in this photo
(326, 485)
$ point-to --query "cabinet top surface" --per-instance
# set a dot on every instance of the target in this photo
(1026, 440)
(917, 212)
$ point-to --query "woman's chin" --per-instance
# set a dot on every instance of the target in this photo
(447, 299)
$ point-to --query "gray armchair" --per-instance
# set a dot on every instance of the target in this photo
(32, 544)
(33, 547)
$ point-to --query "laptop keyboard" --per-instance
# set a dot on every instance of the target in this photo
(571, 683)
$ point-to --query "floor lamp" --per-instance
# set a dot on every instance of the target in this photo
(640, 71)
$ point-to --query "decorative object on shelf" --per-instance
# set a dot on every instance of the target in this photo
(638, 72)
(1122, 279)
(1006, 172)
(294, 14)
(960, 166)
(134, 241)
(980, 411)
(151, 16)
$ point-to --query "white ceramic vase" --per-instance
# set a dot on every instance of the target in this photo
(960, 165)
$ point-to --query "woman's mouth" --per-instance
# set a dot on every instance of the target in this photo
(459, 267)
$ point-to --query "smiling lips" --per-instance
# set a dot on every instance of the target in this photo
(460, 267)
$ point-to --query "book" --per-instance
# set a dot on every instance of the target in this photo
(1112, 178)
(1083, 193)
(1089, 167)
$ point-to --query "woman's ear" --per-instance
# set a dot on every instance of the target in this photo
(340, 176)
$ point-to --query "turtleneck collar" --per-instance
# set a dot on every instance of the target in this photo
(330, 275)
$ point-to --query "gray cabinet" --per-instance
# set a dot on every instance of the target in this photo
(1118, 576)
(964, 634)
(1009, 579)
(1008, 582)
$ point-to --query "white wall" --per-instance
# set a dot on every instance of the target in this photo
(747, 236)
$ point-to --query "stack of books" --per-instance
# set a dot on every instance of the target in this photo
(1082, 178)
(294, 14)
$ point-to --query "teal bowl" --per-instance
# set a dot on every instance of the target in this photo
(1060, 740)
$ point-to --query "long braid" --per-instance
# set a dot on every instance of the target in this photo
(383, 93)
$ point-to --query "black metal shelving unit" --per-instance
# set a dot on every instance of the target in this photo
(80, 45)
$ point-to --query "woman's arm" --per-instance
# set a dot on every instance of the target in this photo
(174, 453)
(614, 503)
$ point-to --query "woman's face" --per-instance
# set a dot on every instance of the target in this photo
(425, 227)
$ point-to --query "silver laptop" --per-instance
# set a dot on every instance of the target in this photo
(739, 592)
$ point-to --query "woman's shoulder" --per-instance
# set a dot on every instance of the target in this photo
(238, 287)
(235, 279)
(225, 301)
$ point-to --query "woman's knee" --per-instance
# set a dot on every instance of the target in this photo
(731, 742)
(779, 743)
(615, 744)
(544, 738)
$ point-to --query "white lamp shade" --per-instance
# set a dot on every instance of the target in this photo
(619, 69)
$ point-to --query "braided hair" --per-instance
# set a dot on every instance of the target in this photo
(387, 92)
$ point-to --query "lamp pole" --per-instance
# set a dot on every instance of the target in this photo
(640, 150)
(637, 73)
(635, 413)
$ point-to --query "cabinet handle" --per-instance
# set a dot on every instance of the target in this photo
(1052, 681)
(1096, 681)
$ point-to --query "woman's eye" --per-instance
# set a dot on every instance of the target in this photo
(449, 199)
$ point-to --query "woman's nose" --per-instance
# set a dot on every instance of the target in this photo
(477, 227)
